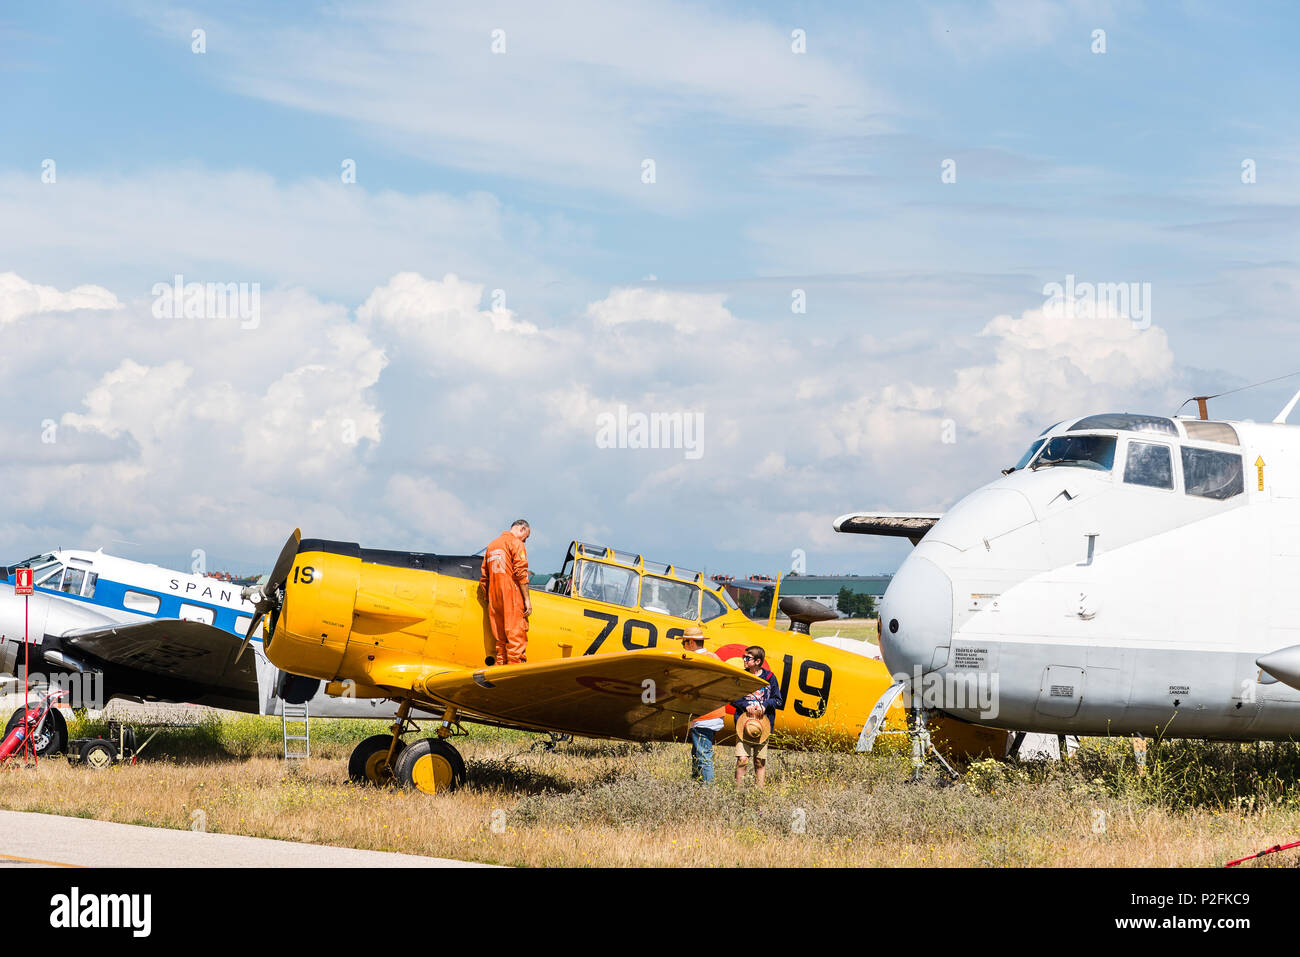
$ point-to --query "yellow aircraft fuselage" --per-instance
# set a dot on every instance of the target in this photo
(378, 623)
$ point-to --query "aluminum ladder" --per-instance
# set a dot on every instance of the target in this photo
(292, 718)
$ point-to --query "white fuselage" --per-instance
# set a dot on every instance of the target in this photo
(77, 589)
(1091, 599)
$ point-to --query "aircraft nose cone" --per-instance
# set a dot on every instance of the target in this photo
(1283, 665)
(915, 616)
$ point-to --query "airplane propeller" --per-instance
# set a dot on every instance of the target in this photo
(263, 595)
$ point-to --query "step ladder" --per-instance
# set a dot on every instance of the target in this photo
(295, 722)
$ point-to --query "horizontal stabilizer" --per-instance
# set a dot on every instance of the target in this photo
(909, 525)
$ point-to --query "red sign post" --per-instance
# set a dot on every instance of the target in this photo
(23, 586)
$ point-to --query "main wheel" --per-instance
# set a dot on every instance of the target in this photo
(431, 765)
(98, 754)
(369, 761)
(49, 740)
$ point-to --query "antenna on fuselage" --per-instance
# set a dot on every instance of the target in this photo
(1201, 400)
(1285, 413)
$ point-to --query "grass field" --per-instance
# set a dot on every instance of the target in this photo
(864, 629)
(601, 803)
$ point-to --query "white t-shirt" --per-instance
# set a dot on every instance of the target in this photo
(714, 724)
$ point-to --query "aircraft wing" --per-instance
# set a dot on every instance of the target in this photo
(911, 525)
(633, 695)
(187, 651)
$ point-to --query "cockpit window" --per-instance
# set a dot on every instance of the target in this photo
(607, 583)
(1210, 431)
(1149, 464)
(1211, 474)
(668, 597)
(72, 581)
(712, 608)
(1125, 422)
(1029, 455)
(47, 576)
(1080, 451)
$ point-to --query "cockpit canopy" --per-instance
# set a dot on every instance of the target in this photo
(1147, 448)
(599, 573)
(76, 577)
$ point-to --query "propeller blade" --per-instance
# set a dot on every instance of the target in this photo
(266, 592)
(248, 635)
(283, 564)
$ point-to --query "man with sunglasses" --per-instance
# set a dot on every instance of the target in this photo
(757, 704)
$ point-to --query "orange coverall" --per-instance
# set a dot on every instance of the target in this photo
(505, 571)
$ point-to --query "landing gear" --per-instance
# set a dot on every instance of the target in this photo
(918, 729)
(430, 765)
(370, 763)
(48, 739)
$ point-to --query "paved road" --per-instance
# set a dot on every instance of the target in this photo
(54, 841)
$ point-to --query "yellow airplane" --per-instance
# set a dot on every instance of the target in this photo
(603, 659)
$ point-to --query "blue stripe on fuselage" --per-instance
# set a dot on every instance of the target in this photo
(111, 594)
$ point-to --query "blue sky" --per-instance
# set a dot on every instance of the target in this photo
(522, 172)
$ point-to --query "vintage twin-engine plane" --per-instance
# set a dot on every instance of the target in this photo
(107, 627)
(603, 659)
(1130, 575)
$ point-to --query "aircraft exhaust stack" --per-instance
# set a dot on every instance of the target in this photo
(804, 613)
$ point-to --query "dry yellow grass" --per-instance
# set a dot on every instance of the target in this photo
(593, 803)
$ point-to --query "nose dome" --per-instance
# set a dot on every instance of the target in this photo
(915, 616)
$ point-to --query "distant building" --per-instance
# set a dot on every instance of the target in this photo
(826, 588)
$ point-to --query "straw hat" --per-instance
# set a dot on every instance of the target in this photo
(752, 730)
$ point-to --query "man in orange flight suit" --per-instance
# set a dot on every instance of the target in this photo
(504, 585)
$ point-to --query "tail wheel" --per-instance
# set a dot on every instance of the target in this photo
(98, 754)
(432, 766)
(369, 762)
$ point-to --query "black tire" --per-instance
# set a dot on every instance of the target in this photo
(444, 769)
(361, 766)
(297, 689)
(99, 753)
(57, 730)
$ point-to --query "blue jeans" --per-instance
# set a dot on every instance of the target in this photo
(702, 754)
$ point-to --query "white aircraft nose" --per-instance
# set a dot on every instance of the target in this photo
(1283, 665)
(915, 617)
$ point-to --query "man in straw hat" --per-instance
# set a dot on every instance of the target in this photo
(755, 715)
(704, 727)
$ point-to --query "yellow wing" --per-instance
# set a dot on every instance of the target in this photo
(636, 695)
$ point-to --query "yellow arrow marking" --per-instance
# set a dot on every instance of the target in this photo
(1259, 466)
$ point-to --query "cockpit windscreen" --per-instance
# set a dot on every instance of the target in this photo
(1079, 451)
